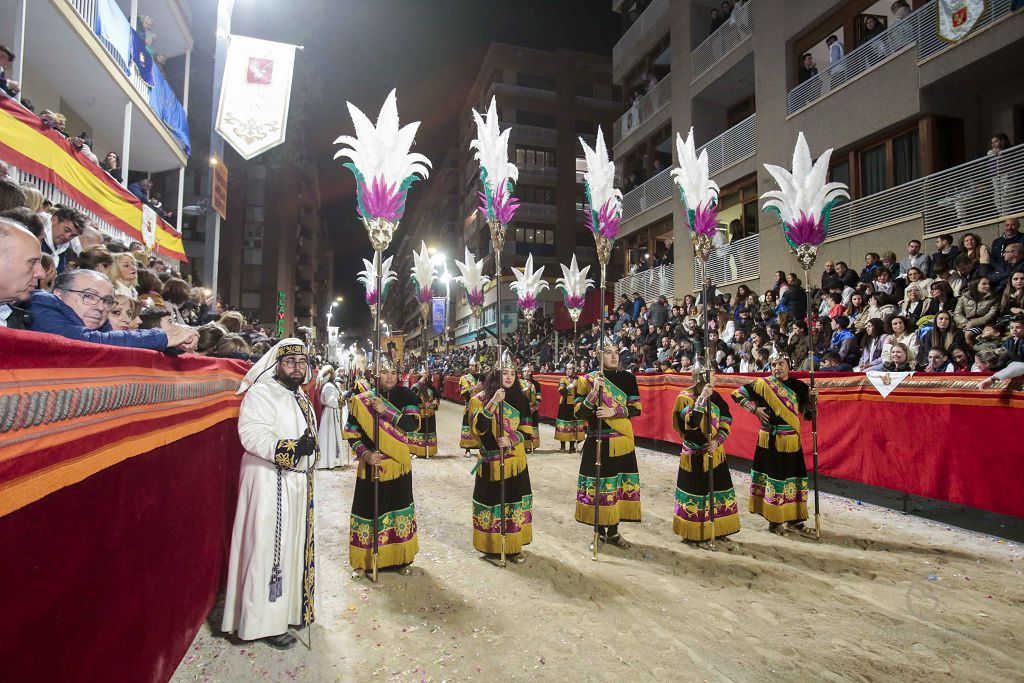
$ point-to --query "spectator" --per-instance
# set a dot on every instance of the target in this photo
(1014, 345)
(20, 269)
(27, 218)
(1011, 235)
(658, 312)
(844, 342)
(902, 331)
(943, 298)
(794, 299)
(90, 237)
(232, 321)
(716, 21)
(972, 248)
(231, 346)
(112, 165)
(124, 274)
(872, 346)
(84, 145)
(95, 258)
(900, 10)
(209, 335)
(1013, 262)
(964, 270)
(1013, 296)
(872, 28)
(943, 334)
(833, 362)
(1002, 185)
(154, 317)
(846, 276)
(65, 225)
(79, 307)
(978, 307)
(175, 293)
(141, 189)
(9, 86)
(945, 252)
(867, 275)
(899, 359)
(11, 194)
(960, 359)
(914, 259)
(938, 361)
(34, 199)
(835, 50)
(124, 315)
(808, 69)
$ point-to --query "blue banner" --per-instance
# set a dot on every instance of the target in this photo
(142, 58)
(112, 27)
(167, 107)
(440, 314)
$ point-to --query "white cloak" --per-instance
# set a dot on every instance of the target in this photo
(333, 449)
(269, 413)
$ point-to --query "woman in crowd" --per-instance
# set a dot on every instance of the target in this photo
(857, 308)
(975, 309)
(608, 409)
(972, 247)
(1013, 296)
(913, 307)
(232, 321)
(702, 420)
(943, 334)
(880, 307)
(871, 346)
(938, 361)
(231, 346)
(209, 335)
(899, 359)
(916, 279)
(124, 273)
(902, 331)
(942, 296)
(332, 421)
(770, 303)
(125, 314)
(96, 258)
(33, 199)
(779, 286)
(500, 416)
(961, 358)
(112, 165)
(175, 293)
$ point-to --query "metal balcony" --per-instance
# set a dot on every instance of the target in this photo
(724, 40)
(643, 109)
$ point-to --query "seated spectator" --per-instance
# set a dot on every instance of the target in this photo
(885, 284)
(95, 258)
(871, 346)
(964, 272)
(978, 307)
(1011, 235)
(124, 315)
(944, 254)
(232, 321)
(938, 361)
(153, 317)
(20, 270)
(880, 307)
(961, 359)
(124, 274)
(890, 263)
(1014, 345)
(871, 262)
(846, 276)
(65, 225)
(1013, 262)
(943, 334)
(794, 299)
(209, 335)
(90, 237)
(79, 307)
(8, 85)
(11, 194)
(175, 293)
(49, 272)
(141, 189)
(942, 296)
(833, 362)
(231, 346)
(915, 260)
(972, 248)
(899, 359)
(28, 218)
(149, 285)
(997, 361)
(112, 165)
(34, 199)
(836, 307)
(902, 331)
(1012, 302)
(843, 341)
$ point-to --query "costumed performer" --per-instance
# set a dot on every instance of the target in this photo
(332, 420)
(568, 425)
(467, 388)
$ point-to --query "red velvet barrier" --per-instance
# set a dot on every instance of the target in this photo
(118, 481)
(936, 435)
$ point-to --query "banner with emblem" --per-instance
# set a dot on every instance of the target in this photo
(255, 94)
(958, 17)
(148, 227)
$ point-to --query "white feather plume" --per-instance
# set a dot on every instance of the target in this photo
(491, 145)
(472, 278)
(600, 176)
(574, 280)
(368, 275)
(803, 190)
(423, 267)
(692, 175)
(528, 282)
(382, 151)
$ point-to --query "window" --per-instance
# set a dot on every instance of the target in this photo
(251, 300)
(251, 277)
(872, 170)
(737, 210)
(254, 212)
(254, 230)
(538, 158)
(581, 169)
(905, 158)
(252, 257)
(536, 195)
(536, 239)
(528, 80)
(586, 127)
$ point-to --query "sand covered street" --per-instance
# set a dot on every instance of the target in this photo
(883, 596)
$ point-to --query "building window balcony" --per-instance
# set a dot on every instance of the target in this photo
(971, 195)
(733, 262)
(917, 29)
(656, 99)
(724, 40)
(649, 24)
(651, 283)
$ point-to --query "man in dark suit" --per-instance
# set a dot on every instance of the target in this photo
(20, 271)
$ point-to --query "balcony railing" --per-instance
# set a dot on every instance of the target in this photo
(86, 9)
(529, 210)
(597, 102)
(733, 262)
(651, 283)
(732, 146)
(918, 28)
(724, 40)
(643, 109)
(651, 22)
(977, 193)
(544, 172)
(532, 134)
(649, 194)
(522, 91)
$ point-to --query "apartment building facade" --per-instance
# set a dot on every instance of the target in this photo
(908, 115)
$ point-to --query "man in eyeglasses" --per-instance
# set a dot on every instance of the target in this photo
(79, 307)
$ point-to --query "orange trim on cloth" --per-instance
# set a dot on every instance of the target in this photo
(46, 154)
(18, 493)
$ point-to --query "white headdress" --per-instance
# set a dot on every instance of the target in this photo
(258, 372)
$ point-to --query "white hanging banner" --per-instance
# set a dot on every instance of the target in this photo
(958, 17)
(885, 382)
(148, 227)
(254, 95)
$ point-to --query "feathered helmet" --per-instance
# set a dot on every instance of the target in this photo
(700, 375)
(505, 362)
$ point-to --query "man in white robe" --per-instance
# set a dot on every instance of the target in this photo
(333, 450)
(271, 567)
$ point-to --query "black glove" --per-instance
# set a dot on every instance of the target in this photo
(306, 445)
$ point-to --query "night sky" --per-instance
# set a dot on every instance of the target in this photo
(431, 50)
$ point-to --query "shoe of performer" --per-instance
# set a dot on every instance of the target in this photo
(404, 570)
(357, 574)
(468, 454)
(285, 641)
(561, 446)
(619, 542)
(775, 528)
(518, 558)
(796, 526)
(572, 448)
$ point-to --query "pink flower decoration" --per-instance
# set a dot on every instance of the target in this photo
(575, 301)
(528, 302)
(608, 223)
(476, 297)
(381, 200)
(806, 230)
(705, 220)
(425, 295)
